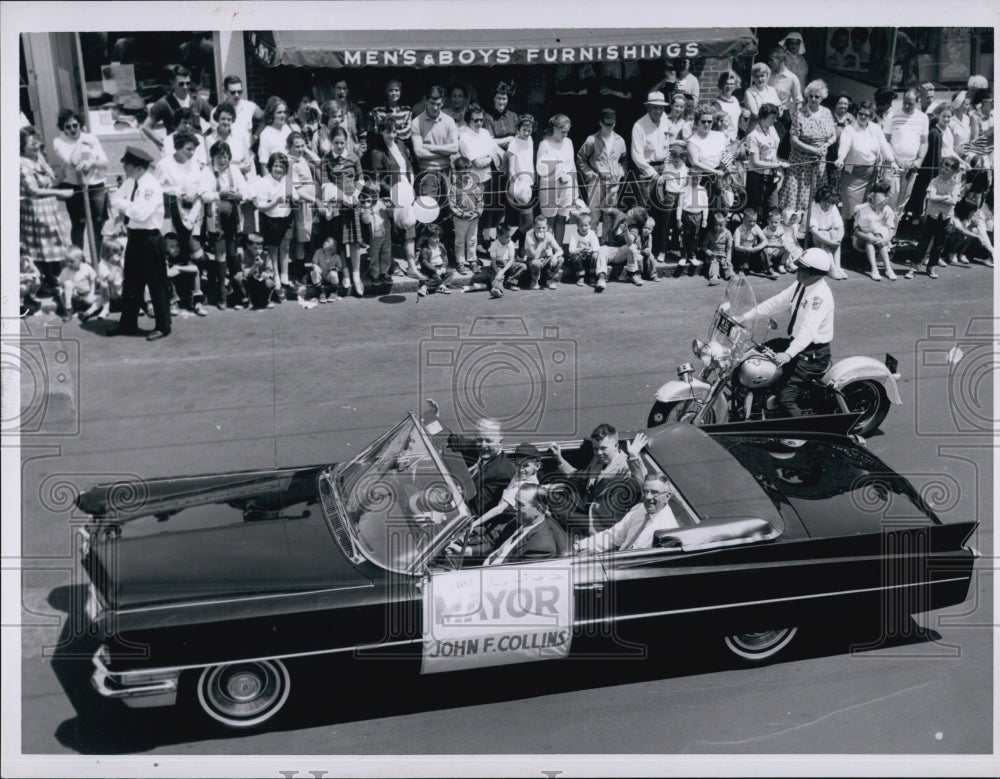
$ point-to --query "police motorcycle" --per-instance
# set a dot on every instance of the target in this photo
(739, 377)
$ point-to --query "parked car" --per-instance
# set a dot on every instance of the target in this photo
(216, 587)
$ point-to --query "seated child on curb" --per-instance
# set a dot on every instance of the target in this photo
(503, 270)
(748, 243)
(184, 276)
(78, 286)
(966, 231)
(110, 274)
(791, 239)
(433, 261)
(582, 249)
(874, 225)
(718, 247)
(542, 253)
(775, 253)
(327, 272)
(255, 281)
(644, 244)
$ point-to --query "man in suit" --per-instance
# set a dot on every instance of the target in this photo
(490, 468)
(636, 529)
(610, 483)
(538, 536)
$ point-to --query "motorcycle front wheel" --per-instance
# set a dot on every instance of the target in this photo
(676, 411)
(867, 398)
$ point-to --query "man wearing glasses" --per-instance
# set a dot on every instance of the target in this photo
(636, 529)
(248, 113)
(163, 111)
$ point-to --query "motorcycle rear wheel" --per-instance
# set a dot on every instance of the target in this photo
(868, 398)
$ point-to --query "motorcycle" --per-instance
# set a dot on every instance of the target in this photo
(738, 378)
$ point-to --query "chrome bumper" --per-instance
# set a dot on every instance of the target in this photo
(138, 689)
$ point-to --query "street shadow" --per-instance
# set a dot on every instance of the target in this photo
(392, 298)
(339, 689)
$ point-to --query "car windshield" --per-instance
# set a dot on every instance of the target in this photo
(396, 499)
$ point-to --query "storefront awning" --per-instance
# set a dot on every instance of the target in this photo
(432, 48)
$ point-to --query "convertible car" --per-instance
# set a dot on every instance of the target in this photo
(218, 588)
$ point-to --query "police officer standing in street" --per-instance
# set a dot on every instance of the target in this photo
(807, 356)
(140, 200)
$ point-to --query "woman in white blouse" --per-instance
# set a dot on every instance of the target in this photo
(862, 148)
(185, 182)
(521, 172)
(556, 166)
(826, 227)
(759, 92)
(275, 132)
(727, 103)
(85, 165)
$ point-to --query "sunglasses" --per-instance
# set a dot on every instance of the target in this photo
(183, 83)
(236, 91)
(949, 165)
(478, 120)
(864, 116)
(705, 121)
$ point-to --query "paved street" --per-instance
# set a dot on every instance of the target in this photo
(291, 386)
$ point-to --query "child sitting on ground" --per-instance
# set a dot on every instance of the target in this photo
(503, 269)
(78, 286)
(255, 280)
(749, 242)
(582, 249)
(327, 272)
(110, 274)
(433, 261)
(791, 239)
(30, 283)
(775, 253)
(718, 248)
(965, 232)
(185, 276)
(542, 253)
(874, 225)
(644, 245)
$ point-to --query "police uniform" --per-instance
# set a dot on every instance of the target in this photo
(141, 203)
(811, 331)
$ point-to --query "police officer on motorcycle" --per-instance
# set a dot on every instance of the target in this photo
(806, 357)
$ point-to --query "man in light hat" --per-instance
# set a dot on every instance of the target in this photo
(807, 355)
(796, 48)
(140, 200)
(650, 149)
(490, 468)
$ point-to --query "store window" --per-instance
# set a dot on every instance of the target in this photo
(119, 65)
(942, 55)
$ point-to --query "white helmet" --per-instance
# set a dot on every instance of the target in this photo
(816, 259)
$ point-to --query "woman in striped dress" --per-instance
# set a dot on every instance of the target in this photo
(44, 224)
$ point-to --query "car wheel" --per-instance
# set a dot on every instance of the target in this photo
(867, 398)
(243, 695)
(760, 646)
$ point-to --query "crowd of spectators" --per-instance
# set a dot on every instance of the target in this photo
(295, 198)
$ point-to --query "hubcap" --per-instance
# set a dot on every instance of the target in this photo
(244, 686)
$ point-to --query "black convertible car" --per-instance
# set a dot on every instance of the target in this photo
(217, 587)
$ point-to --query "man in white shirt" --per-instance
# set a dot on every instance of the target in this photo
(908, 131)
(637, 528)
(248, 112)
(650, 149)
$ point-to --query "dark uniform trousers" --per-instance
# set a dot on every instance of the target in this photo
(803, 371)
(145, 266)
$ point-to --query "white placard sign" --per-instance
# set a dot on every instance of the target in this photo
(496, 616)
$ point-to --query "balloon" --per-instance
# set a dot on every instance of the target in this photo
(405, 218)
(426, 209)
(402, 194)
(519, 191)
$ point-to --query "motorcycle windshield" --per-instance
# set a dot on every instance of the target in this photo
(737, 302)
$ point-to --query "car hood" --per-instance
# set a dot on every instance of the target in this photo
(203, 538)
